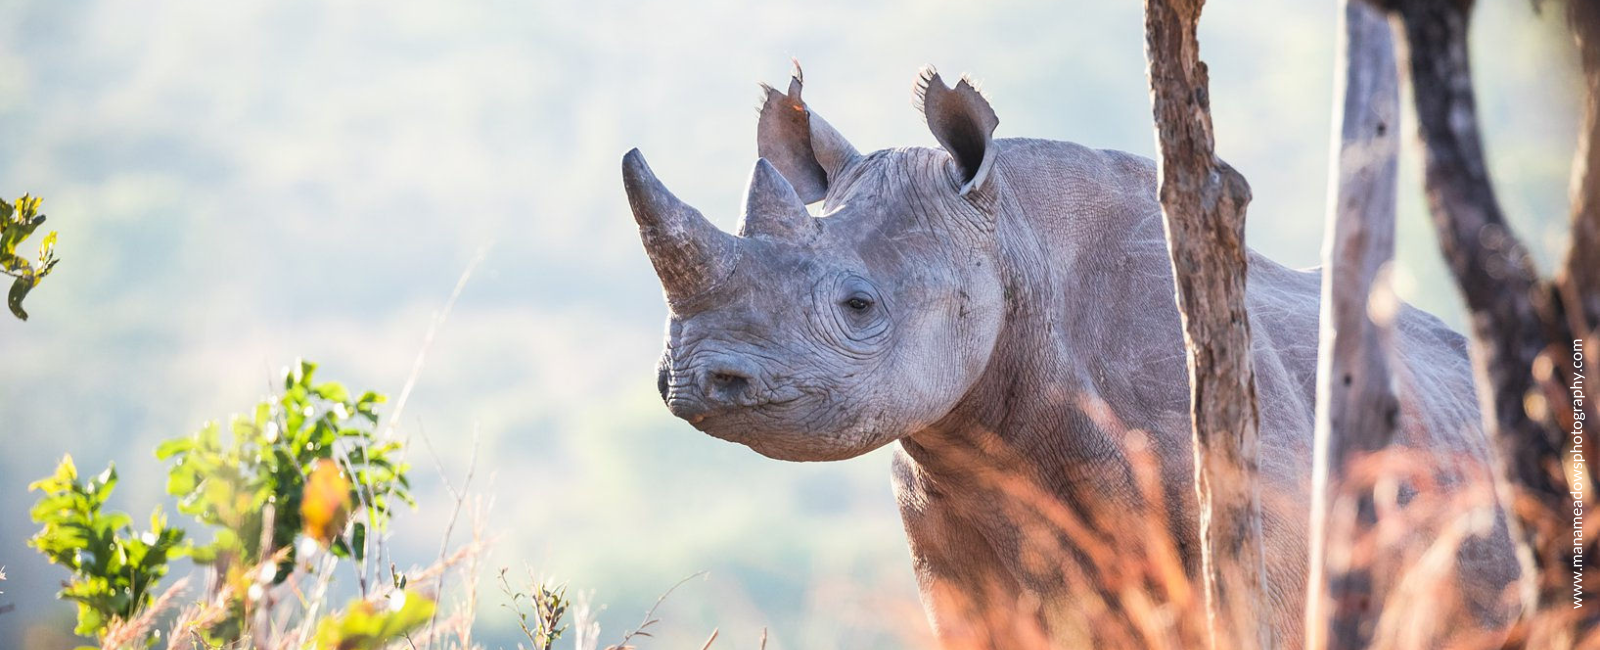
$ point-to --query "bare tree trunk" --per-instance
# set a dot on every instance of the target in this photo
(1505, 299)
(1578, 279)
(1203, 204)
(1576, 286)
(1575, 290)
(1356, 406)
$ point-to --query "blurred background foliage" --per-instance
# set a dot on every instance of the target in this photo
(246, 183)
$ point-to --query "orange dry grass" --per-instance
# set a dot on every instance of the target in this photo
(1130, 586)
(1128, 582)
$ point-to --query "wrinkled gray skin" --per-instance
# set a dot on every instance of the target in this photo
(986, 305)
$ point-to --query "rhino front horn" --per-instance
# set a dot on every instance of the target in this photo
(772, 208)
(690, 254)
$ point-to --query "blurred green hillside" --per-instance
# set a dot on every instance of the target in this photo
(239, 184)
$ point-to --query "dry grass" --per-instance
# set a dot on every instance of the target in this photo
(1127, 581)
(1130, 586)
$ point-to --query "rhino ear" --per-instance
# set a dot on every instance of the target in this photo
(963, 123)
(804, 147)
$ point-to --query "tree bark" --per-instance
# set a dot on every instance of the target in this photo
(1357, 408)
(1578, 279)
(1576, 287)
(1203, 205)
(1504, 297)
(1575, 290)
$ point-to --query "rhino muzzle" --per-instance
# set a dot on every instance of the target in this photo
(716, 385)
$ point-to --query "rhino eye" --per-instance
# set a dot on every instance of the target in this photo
(859, 314)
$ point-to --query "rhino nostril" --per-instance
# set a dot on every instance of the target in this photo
(729, 384)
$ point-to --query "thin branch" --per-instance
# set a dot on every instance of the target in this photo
(650, 616)
(427, 340)
(387, 432)
(460, 497)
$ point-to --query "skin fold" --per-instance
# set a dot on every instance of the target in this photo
(1003, 310)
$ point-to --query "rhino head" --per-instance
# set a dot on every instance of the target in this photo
(821, 338)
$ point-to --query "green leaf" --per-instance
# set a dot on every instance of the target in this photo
(19, 290)
(358, 541)
(181, 481)
(333, 391)
(370, 626)
(16, 265)
(66, 473)
(173, 447)
(47, 251)
(206, 554)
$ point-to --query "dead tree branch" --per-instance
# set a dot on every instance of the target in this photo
(1203, 204)
(1357, 408)
(1576, 287)
(1578, 278)
(1509, 307)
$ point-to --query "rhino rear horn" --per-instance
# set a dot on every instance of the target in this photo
(799, 143)
(772, 208)
(963, 123)
(689, 253)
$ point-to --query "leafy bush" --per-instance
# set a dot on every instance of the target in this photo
(301, 466)
(266, 463)
(313, 436)
(114, 570)
(301, 485)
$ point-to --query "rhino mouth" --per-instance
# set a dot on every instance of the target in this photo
(795, 425)
(759, 424)
(699, 411)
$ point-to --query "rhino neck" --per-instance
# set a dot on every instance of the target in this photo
(1030, 413)
(1081, 355)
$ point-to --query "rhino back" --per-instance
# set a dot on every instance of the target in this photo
(1097, 215)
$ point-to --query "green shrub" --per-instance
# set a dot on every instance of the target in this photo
(231, 483)
(114, 570)
(307, 463)
(307, 466)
